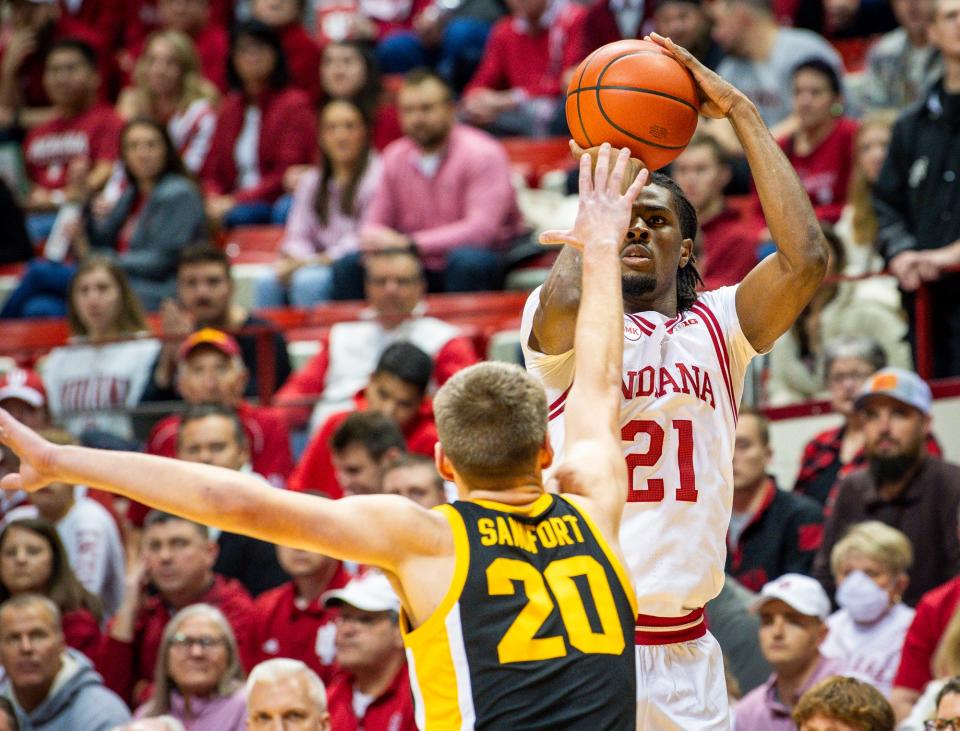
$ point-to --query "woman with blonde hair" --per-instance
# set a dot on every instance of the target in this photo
(946, 667)
(198, 678)
(169, 88)
(870, 565)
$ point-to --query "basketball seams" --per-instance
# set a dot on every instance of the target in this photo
(583, 71)
(641, 89)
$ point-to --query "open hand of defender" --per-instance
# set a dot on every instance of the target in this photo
(604, 214)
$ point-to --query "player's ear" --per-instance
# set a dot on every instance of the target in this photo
(686, 251)
(546, 452)
(443, 464)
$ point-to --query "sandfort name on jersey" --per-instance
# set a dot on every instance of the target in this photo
(549, 533)
(659, 381)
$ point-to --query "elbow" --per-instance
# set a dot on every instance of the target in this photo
(815, 262)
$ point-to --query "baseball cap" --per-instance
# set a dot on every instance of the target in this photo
(25, 385)
(904, 386)
(802, 593)
(370, 592)
(223, 342)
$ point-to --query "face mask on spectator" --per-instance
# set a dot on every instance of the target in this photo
(862, 598)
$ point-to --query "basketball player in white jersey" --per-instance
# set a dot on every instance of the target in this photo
(683, 367)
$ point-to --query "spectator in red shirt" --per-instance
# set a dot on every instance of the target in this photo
(821, 150)
(302, 52)
(727, 250)
(398, 390)
(373, 691)
(33, 560)
(519, 84)
(292, 620)
(76, 149)
(33, 27)
(264, 127)
(146, 16)
(176, 569)
(394, 284)
(211, 371)
(212, 434)
(193, 19)
(281, 689)
(415, 476)
(361, 447)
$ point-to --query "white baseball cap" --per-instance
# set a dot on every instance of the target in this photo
(802, 593)
(370, 592)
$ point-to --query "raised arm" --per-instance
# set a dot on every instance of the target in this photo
(374, 529)
(594, 466)
(772, 295)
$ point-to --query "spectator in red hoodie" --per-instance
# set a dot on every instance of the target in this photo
(264, 127)
(519, 85)
(176, 570)
(302, 52)
(397, 389)
(821, 149)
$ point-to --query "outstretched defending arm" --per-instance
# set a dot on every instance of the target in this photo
(374, 529)
(594, 466)
(772, 296)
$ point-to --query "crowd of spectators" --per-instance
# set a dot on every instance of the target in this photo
(134, 136)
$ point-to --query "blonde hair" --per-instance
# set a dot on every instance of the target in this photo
(877, 541)
(491, 420)
(864, 217)
(946, 658)
(192, 84)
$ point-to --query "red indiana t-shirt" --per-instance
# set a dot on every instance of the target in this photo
(49, 148)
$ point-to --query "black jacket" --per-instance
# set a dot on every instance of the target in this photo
(917, 196)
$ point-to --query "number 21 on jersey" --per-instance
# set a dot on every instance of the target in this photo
(654, 489)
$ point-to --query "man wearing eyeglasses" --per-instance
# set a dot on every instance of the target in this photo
(948, 708)
(394, 286)
(373, 691)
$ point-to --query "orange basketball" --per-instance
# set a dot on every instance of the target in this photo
(633, 94)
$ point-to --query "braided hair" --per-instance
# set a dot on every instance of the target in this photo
(687, 276)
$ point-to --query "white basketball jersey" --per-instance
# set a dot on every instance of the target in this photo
(681, 387)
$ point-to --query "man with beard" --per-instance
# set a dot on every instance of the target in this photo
(903, 486)
(446, 190)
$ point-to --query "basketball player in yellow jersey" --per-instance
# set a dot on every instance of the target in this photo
(517, 612)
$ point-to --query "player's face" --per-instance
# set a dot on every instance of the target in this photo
(813, 99)
(789, 640)
(844, 379)
(426, 113)
(212, 440)
(178, 558)
(196, 670)
(653, 245)
(945, 28)
(393, 287)
(683, 22)
(892, 428)
(357, 471)
(26, 561)
(821, 722)
(416, 482)
(700, 175)
(872, 144)
(211, 377)
(284, 705)
(204, 290)
(97, 301)
(750, 455)
(303, 563)
(30, 646)
(366, 640)
(69, 79)
(388, 395)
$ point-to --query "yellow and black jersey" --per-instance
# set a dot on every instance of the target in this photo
(536, 631)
